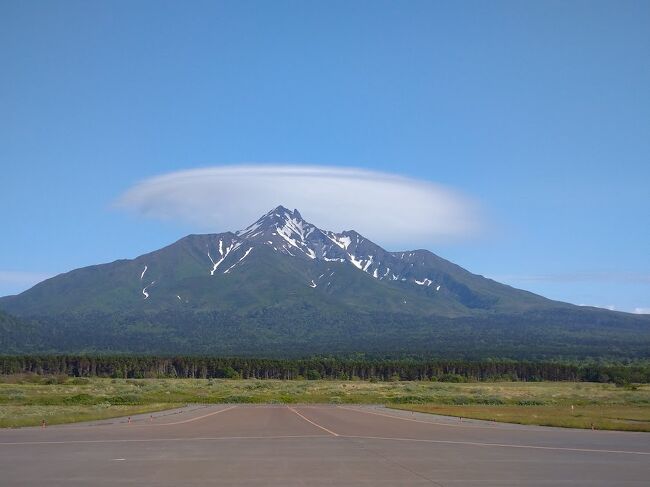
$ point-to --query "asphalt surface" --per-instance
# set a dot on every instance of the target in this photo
(317, 446)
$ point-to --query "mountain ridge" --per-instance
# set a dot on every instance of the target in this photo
(285, 282)
(413, 273)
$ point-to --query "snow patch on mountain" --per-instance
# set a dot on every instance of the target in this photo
(340, 240)
(144, 291)
(223, 254)
(355, 262)
(242, 258)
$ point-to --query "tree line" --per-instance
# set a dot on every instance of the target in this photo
(205, 367)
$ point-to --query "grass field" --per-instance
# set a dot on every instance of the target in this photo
(25, 400)
(608, 417)
(19, 416)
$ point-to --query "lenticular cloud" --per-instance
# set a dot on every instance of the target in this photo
(387, 208)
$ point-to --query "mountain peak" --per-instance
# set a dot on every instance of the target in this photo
(273, 220)
(279, 212)
(287, 233)
(279, 209)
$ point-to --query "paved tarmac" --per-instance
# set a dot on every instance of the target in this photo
(317, 446)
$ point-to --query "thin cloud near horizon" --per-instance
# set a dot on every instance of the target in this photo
(617, 276)
(387, 208)
(637, 310)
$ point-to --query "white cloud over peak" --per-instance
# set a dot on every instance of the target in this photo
(387, 208)
(641, 311)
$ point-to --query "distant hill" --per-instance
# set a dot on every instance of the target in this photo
(285, 287)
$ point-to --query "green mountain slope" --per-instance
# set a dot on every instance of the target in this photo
(283, 286)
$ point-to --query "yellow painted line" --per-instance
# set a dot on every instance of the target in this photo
(111, 422)
(413, 420)
(310, 421)
(192, 419)
(496, 426)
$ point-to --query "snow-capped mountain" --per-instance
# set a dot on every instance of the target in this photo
(287, 233)
(279, 280)
(200, 272)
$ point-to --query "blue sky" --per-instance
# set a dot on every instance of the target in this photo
(537, 111)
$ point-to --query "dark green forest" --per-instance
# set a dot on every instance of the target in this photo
(130, 366)
(296, 332)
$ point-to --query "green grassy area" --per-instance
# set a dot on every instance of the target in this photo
(25, 400)
(605, 417)
(13, 416)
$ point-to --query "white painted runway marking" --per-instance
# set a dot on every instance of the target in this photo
(331, 436)
(157, 440)
(310, 421)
